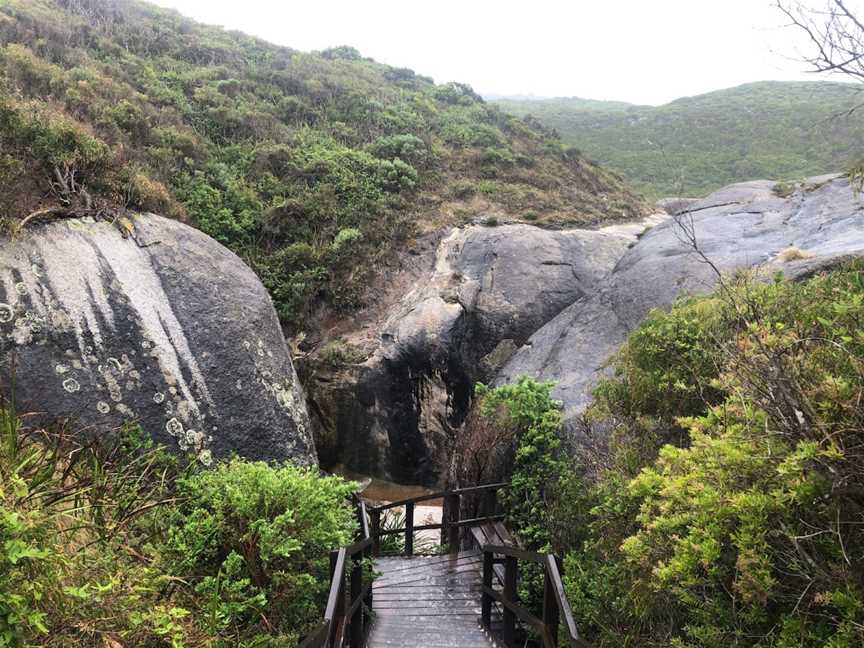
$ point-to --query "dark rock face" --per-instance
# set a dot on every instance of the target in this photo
(742, 226)
(394, 415)
(166, 327)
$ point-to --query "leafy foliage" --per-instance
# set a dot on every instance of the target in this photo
(527, 407)
(117, 544)
(695, 145)
(274, 152)
(749, 532)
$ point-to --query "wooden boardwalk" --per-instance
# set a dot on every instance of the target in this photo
(428, 602)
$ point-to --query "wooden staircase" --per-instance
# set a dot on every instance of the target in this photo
(465, 598)
(429, 601)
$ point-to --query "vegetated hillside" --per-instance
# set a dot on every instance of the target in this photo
(692, 146)
(311, 166)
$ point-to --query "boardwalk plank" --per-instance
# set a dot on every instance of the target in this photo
(429, 602)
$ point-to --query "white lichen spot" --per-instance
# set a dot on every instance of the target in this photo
(7, 313)
(114, 390)
(34, 322)
(103, 407)
(71, 385)
(239, 385)
(284, 395)
(125, 410)
(174, 427)
(247, 344)
(185, 410)
(158, 398)
(61, 369)
(116, 365)
(22, 334)
(21, 288)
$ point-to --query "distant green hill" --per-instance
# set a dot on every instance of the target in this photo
(772, 129)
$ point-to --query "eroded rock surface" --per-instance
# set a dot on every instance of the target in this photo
(165, 327)
(490, 289)
(742, 226)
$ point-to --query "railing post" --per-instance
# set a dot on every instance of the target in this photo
(339, 612)
(409, 529)
(375, 531)
(511, 568)
(550, 608)
(486, 600)
(356, 621)
(367, 554)
(491, 502)
(453, 503)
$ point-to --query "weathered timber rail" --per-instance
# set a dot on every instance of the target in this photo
(555, 605)
(451, 525)
(466, 598)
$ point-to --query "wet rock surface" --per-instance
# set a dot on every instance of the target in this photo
(164, 327)
(393, 415)
(741, 226)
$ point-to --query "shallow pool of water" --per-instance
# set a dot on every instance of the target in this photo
(381, 490)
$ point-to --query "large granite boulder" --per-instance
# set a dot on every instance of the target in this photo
(154, 323)
(393, 415)
(742, 226)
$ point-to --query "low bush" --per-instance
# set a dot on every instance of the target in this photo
(118, 543)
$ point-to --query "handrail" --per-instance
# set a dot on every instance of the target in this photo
(555, 604)
(331, 632)
(438, 495)
(450, 526)
(347, 612)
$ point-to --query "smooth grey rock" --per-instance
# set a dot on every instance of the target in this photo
(394, 415)
(167, 328)
(741, 226)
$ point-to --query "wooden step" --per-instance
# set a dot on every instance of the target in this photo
(429, 602)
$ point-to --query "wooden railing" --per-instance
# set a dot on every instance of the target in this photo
(349, 605)
(451, 525)
(347, 612)
(555, 605)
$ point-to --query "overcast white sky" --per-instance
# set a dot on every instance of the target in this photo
(641, 51)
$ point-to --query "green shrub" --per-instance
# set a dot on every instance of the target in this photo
(253, 542)
(498, 156)
(527, 406)
(407, 147)
(745, 534)
(116, 543)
